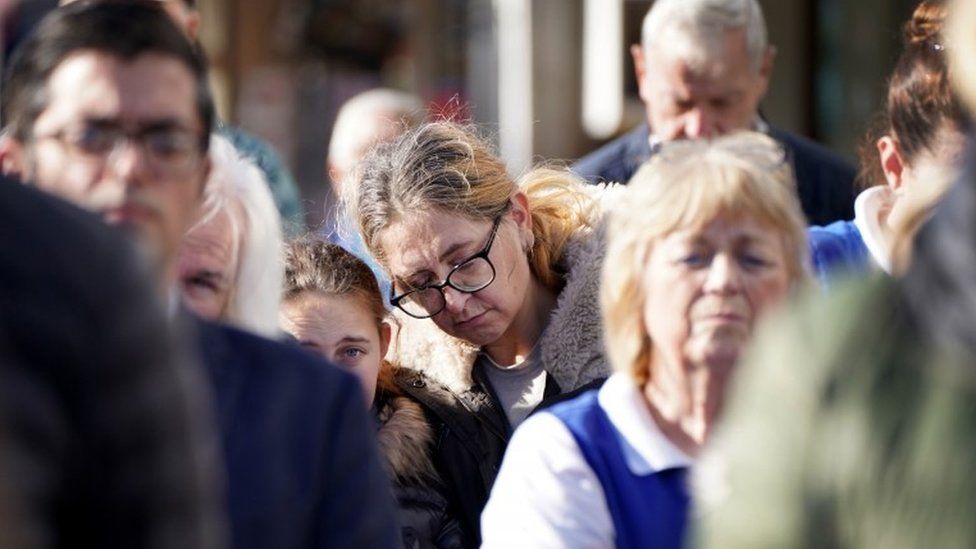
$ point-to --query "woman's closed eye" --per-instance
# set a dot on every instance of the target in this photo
(695, 259)
(755, 258)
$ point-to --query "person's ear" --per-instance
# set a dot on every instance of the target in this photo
(386, 332)
(766, 70)
(640, 70)
(520, 211)
(12, 157)
(523, 220)
(191, 23)
(892, 163)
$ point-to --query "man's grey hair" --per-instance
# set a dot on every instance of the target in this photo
(237, 188)
(354, 130)
(697, 28)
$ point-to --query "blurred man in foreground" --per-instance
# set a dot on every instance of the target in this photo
(107, 105)
(103, 438)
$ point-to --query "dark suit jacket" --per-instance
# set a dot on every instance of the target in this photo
(825, 181)
(100, 443)
(302, 464)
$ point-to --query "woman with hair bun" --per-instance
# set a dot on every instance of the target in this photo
(910, 165)
(496, 284)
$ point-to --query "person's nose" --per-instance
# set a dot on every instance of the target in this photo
(700, 124)
(129, 162)
(454, 300)
(724, 275)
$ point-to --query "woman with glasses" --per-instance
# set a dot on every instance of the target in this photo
(496, 283)
(710, 237)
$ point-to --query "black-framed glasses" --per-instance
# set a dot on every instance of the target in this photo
(170, 150)
(469, 276)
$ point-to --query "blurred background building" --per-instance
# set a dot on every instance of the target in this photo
(549, 79)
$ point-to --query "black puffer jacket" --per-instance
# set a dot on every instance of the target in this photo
(471, 433)
(405, 439)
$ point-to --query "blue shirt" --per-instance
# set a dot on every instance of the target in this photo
(837, 249)
(648, 511)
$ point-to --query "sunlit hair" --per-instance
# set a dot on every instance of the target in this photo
(314, 266)
(443, 166)
(237, 189)
(696, 28)
(686, 186)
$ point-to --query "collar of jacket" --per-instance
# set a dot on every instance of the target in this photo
(405, 437)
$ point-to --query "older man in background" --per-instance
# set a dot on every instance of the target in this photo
(364, 121)
(703, 68)
(107, 105)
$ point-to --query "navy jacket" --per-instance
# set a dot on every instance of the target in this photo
(301, 459)
(825, 181)
(100, 440)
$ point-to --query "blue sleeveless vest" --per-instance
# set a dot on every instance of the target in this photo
(649, 511)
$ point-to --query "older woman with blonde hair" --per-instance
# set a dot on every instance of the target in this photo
(230, 262)
(709, 238)
(495, 280)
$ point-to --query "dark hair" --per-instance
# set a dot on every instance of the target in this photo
(920, 98)
(313, 265)
(122, 28)
(316, 265)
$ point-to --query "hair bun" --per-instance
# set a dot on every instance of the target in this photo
(926, 24)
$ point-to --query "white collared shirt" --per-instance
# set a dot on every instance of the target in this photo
(546, 495)
(867, 209)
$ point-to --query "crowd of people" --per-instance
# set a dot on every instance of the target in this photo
(697, 335)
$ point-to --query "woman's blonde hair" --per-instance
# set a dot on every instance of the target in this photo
(448, 167)
(686, 186)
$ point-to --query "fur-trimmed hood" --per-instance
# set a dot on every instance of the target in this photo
(405, 439)
(571, 346)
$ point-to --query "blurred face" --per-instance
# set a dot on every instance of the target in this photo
(422, 249)
(122, 139)
(705, 288)
(342, 330)
(207, 267)
(685, 102)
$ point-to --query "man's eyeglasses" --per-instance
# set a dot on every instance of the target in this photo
(469, 276)
(169, 150)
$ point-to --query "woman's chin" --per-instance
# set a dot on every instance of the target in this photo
(719, 352)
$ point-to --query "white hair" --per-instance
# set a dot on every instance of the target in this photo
(237, 188)
(697, 27)
(355, 126)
